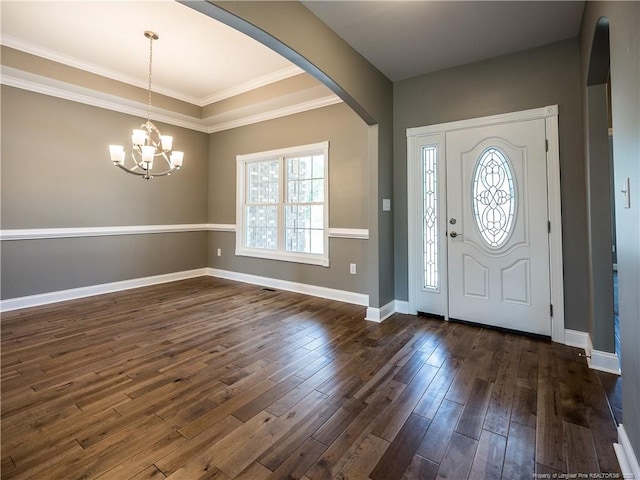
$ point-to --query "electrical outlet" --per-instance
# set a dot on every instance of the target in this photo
(219, 252)
(352, 268)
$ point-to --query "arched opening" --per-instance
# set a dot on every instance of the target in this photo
(601, 205)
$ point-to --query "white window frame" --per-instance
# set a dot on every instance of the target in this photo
(280, 253)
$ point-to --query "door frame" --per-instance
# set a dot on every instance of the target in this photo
(438, 133)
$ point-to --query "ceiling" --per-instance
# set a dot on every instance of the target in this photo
(408, 38)
(196, 58)
(201, 61)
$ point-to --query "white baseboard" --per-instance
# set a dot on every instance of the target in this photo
(596, 359)
(73, 293)
(626, 457)
(379, 315)
(402, 306)
(316, 291)
(574, 338)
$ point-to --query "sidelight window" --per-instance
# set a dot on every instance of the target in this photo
(429, 217)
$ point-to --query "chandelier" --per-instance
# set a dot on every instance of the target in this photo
(148, 144)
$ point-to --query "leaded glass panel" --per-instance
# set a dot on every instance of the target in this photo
(429, 217)
(493, 198)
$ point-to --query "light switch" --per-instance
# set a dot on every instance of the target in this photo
(626, 203)
(386, 204)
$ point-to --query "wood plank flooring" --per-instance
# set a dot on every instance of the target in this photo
(211, 379)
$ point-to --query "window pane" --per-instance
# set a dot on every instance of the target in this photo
(317, 195)
(318, 166)
(261, 227)
(430, 217)
(494, 199)
(317, 241)
(262, 182)
(317, 216)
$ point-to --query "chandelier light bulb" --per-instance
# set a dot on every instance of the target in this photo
(138, 138)
(117, 154)
(176, 159)
(167, 142)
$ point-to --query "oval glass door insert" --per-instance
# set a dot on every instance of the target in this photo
(493, 197)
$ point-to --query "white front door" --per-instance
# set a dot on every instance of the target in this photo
(485, 236)
(497, 218)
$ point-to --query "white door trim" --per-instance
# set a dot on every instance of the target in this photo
(550, 115)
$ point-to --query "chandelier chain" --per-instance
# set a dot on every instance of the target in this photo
(150, 63)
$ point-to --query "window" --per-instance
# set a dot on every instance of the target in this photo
(494, 199)
(429, 217)
(282, 204)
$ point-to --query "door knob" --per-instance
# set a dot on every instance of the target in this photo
(453, 234)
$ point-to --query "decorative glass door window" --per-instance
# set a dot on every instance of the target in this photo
(430, 217)
(493, 198)
(282, 210)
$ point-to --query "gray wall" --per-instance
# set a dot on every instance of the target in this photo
(326, 56)
(348, 192)
(598, 167)
(56, 172)
(530, 79)
(624, 31)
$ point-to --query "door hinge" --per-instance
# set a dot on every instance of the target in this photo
(549, 227)
(546, 145)
(551, 309)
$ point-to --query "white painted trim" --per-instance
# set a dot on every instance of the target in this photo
(554, 202)
(314, 290)
(355, 233)
(252, 84)
(379, 315)
(402, 306)
(74, 232)
(273, 114)
(221, 227)
(523, 115)
(596, 359)
(67, 91)
(81, 292)
(550, 115)
(55, 88)
(605, 362)
(574, 338)
(626, 456)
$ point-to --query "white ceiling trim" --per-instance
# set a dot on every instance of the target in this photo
(268, 79)
(39, 84)
(277, 113)
(252, 85)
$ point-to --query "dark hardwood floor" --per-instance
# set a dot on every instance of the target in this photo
(211, 379)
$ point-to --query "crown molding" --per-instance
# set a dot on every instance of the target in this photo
(275, 113)
(47, 86)
(251, 85)
(69, 61)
